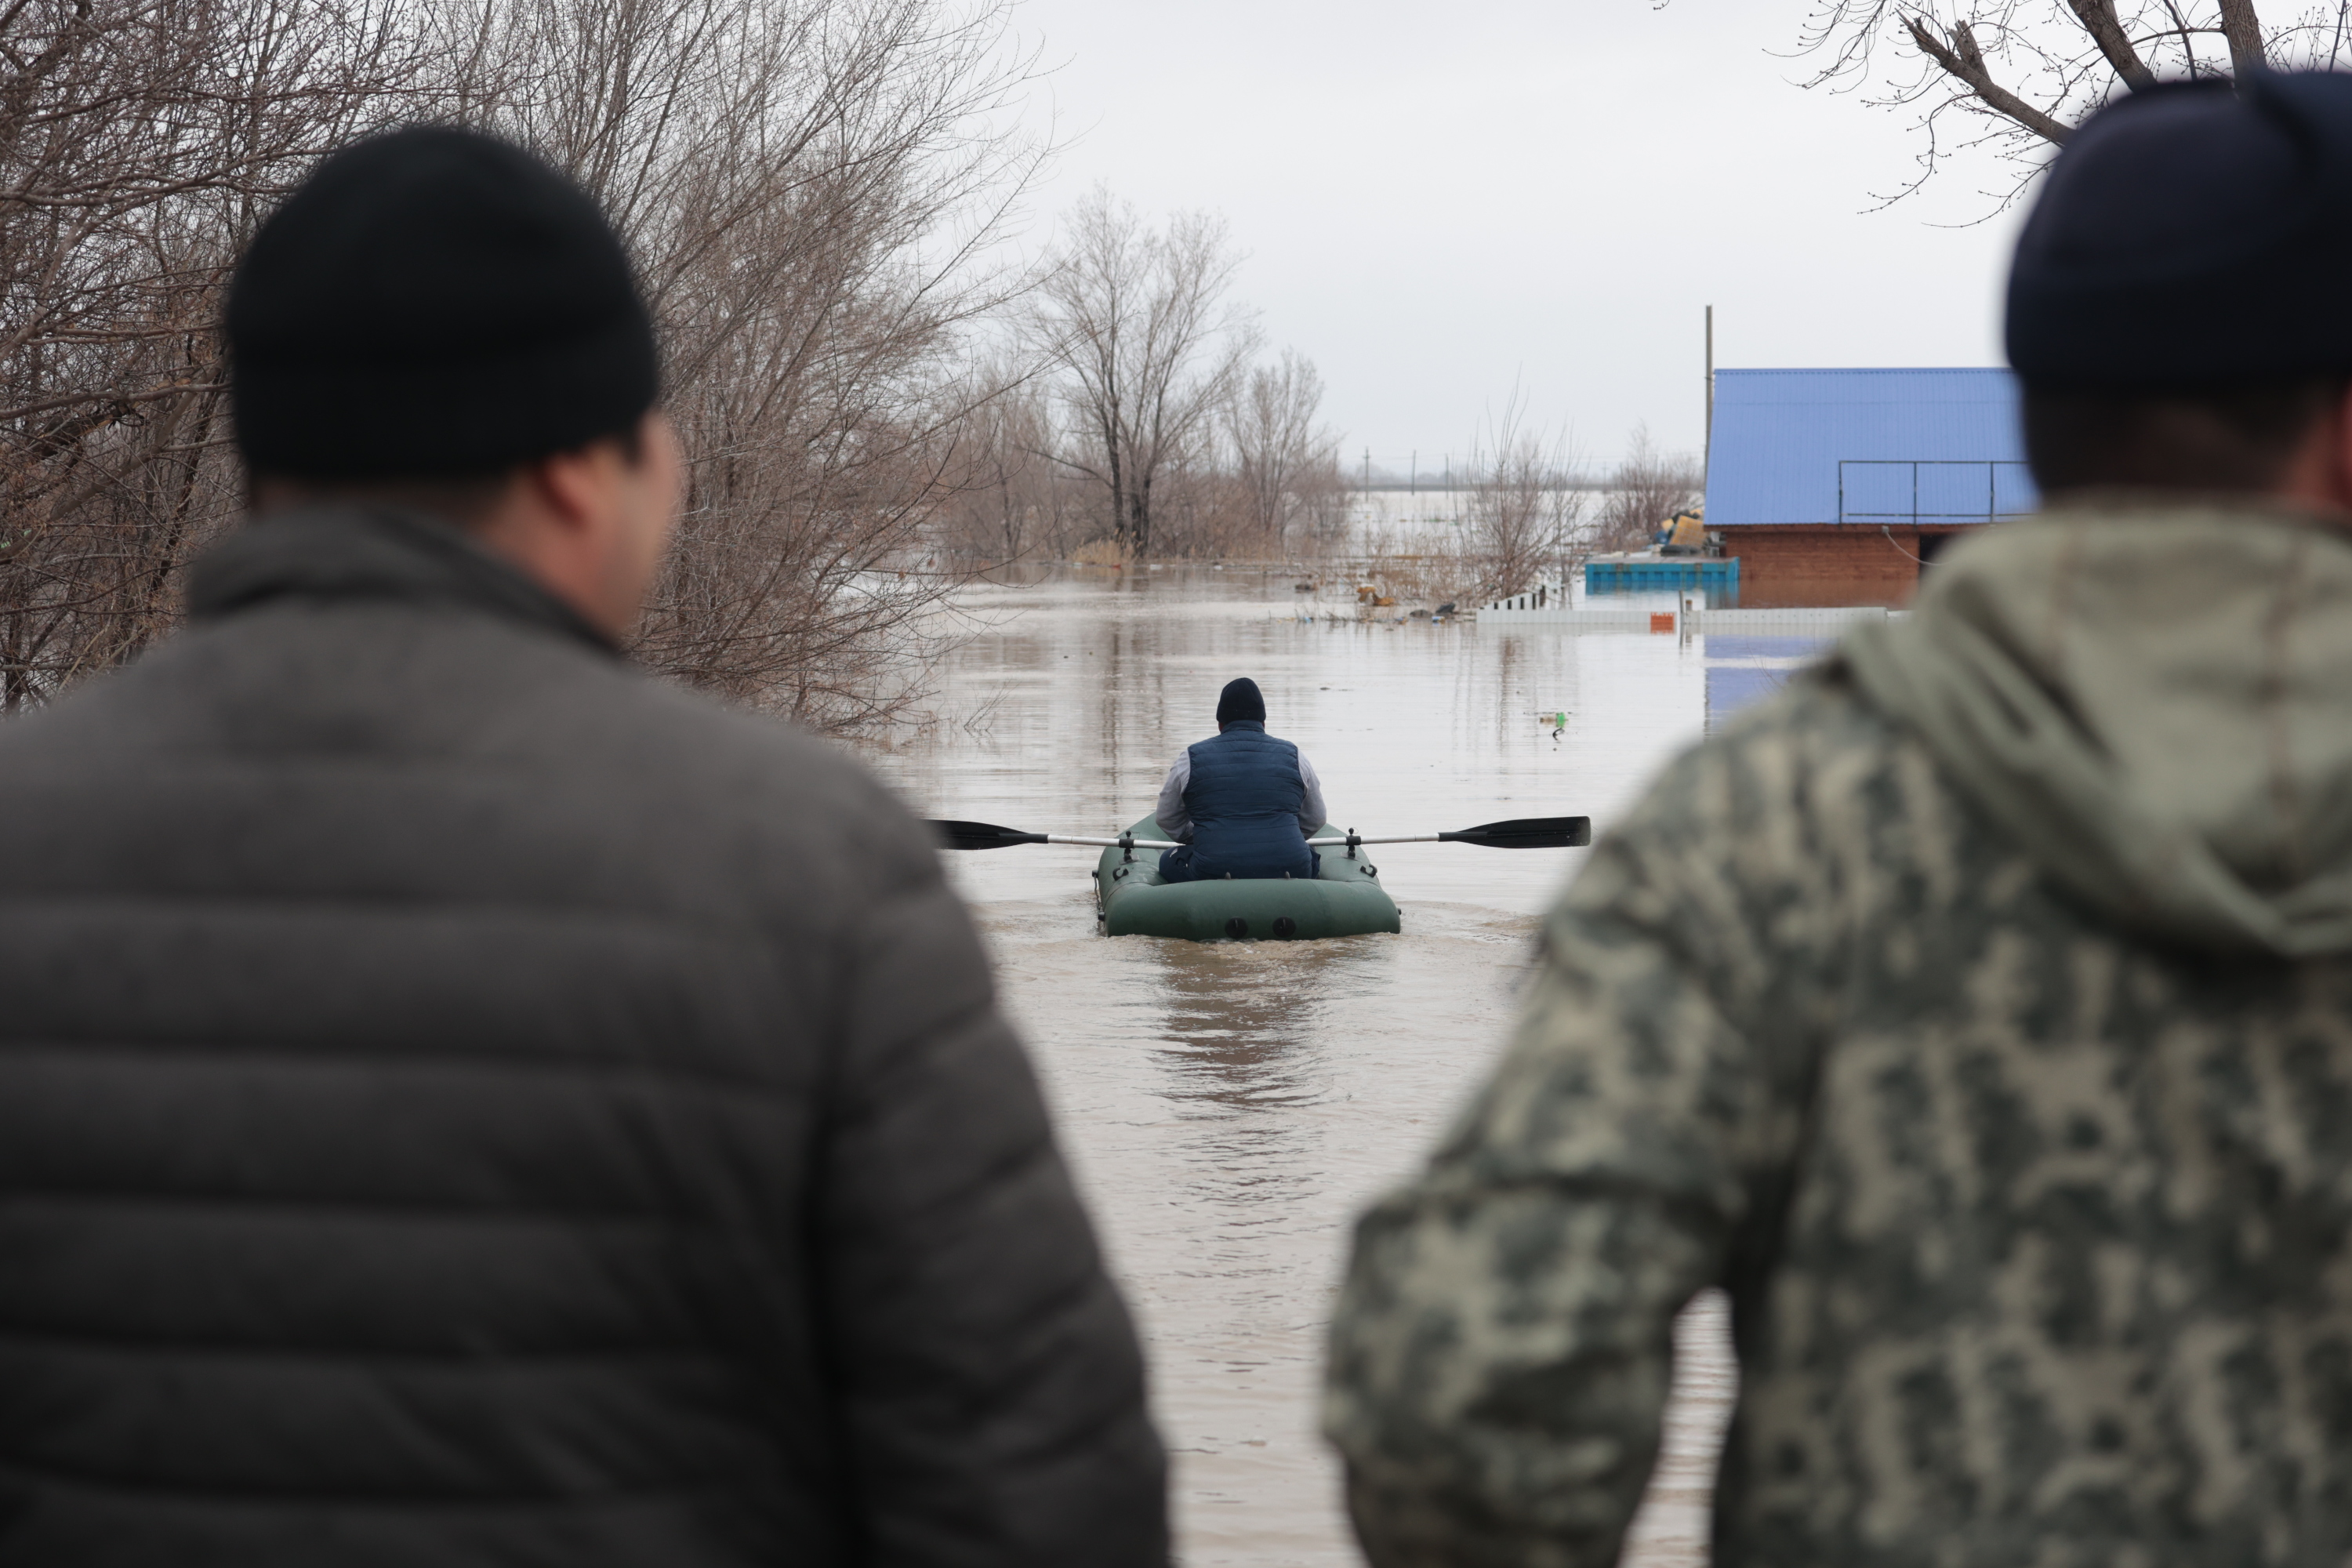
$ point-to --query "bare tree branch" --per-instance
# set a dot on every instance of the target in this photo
(2106, 30)
(2245, 31)
(1962, 58)
(2025, 72)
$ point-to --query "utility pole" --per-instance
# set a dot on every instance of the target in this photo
(1706, 454)
(1368, 470)
(1412, 474)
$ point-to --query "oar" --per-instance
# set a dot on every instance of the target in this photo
(1518, 833)
(988, 835)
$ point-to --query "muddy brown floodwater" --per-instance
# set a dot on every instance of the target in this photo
(1228, 1107)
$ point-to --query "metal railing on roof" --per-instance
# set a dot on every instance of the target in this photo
(1884, 490)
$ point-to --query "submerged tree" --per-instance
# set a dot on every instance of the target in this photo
(1011, 500)
(1285, 460)
(1645, 490)
(1146, 349)
(1522, 514)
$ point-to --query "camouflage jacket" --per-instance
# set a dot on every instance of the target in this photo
(2033, 1226)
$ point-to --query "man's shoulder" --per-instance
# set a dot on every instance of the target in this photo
(1803, 801)
(458, 696)
(416, 679)
(755, 764)
(1814, 745)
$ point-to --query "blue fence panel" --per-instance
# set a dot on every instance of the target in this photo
(1870, 491)
(1954, 490)
(2014, 491)
(1882, 490)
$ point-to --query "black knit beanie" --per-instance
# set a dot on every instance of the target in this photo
(2193, 235)
(1241, 699)
(433, 302)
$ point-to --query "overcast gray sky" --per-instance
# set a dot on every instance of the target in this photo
(1439, 201)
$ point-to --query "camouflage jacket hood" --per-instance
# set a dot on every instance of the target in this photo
(2152, 698)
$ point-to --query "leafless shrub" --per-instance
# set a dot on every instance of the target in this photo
(1012, 501)
(1407, 567)
(1199, 510)
(1284, 464)
(1644, 491)
(1103, 552)
(1320, 521)
(1521, 513)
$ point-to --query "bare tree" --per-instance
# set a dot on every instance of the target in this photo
(804, 185)
(1320, 496)
(1520, 509)
(1281, 456)
(1645, 490)
(2023, 74)
(1134, 322)
(1012, 501)
(140, 141)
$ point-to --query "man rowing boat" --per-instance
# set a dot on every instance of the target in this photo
(1240, 804)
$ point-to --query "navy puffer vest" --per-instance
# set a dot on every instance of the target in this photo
(1244, 799)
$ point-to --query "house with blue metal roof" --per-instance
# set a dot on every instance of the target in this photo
(1837, 486)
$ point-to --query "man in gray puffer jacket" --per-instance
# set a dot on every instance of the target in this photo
(1977, 1014)
(461, 1100)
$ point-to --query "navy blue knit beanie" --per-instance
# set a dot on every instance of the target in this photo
(434, 301)
(2193, 235)
(1239, 700)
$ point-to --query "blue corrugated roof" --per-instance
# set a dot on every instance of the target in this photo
(1867, 446)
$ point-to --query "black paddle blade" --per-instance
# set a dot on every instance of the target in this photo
(979, 834)
(1527, 832)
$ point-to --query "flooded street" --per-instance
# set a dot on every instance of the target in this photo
(1228, 1107)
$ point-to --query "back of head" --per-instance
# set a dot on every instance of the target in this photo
(2176, 308)
(1241, 699)
(433, 303)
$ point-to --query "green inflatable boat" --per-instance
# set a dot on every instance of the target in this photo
(1344, 897)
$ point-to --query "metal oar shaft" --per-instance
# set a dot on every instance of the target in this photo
(1521, 833)
(1112, 843)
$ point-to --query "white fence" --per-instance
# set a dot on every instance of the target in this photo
(1555, 613)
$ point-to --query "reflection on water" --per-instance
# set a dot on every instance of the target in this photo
(1744, 670)
(1228, 1107)
(1240, 1021)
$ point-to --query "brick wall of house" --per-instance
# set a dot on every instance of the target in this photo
(1790, 565)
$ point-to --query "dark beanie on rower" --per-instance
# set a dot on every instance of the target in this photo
(2193, 235)
(1239, 700)
(434, 302)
